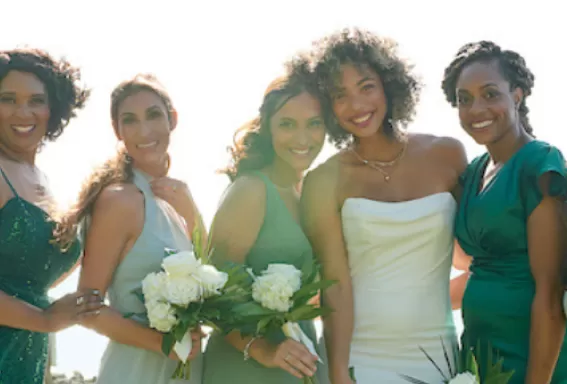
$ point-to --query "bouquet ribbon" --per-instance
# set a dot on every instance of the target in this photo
(294, 332)
(183, 348)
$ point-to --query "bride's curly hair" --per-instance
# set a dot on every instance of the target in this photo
(115, 170)
(252, 148)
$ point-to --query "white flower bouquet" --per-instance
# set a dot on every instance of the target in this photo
(280, 298)
(465, 368)
(189, 293)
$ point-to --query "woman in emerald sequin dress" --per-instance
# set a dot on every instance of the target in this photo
(38, 97)
(509, 218)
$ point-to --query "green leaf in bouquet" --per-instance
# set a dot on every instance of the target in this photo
(305, 312)
(251, 309)
(307, 292)
(167, 342)
(170, 251)
(263, 325)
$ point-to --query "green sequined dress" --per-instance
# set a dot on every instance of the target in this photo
(491, 226)
(29, 265)
(280, 240)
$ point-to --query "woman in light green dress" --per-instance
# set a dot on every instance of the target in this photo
(257, 224)
(132, 212)
(509, 219)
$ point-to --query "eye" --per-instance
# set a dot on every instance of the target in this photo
(5, 99)
(155, 115)
(368, 86)
(38, 100)
(338, 97)
(491, 94)
(463, 99)
(128, 120)
(286, 124)
(316, 123)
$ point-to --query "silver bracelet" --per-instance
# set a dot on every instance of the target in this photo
(246, 350)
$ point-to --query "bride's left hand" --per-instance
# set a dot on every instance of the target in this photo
(177, 194)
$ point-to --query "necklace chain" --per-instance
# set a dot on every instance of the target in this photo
(380, 165)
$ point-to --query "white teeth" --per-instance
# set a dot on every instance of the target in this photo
(482, 124)
(142, 146)
(300, 152)
(362, 119)
(23, 128)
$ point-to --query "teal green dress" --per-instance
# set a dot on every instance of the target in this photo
(280, 240)
(29, 265)
(491, 226)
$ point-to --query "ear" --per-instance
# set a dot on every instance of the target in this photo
(518, 97)
(173, 119)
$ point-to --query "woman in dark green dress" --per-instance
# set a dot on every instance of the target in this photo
(509, 219)
(38, 97)
(257, 224)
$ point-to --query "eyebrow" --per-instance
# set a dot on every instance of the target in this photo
(360, 82)
(483, 87)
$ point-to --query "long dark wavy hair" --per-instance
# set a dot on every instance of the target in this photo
(252, 148)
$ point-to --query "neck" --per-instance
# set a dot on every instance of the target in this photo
(284, 176)
(504, 148)
(20, 157)
(155, 170)
(378, 147)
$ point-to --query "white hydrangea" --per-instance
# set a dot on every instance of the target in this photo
(181, 264)
(464, 378)
(275, 287)
(153, 286)
(161, 315)
(182, 290)
(212, 280)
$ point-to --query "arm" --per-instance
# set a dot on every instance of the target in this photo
(322, 224)
(546, 247)
(457, 285)
(116, 221)
(235, 228)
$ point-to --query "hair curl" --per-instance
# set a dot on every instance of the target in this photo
(252, 147)
(116, 170)
(364, 49)
(61, 80)
(512, 66)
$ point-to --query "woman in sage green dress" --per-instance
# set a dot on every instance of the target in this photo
(132, 212)
(38, 97)
(257, 224)
(509, 219)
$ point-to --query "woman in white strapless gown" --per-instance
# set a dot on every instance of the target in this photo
(380, 217)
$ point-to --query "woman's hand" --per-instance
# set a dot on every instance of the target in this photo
(177, 194)
(292, 357)
(72, 308)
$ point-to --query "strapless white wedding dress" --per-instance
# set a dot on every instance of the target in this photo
(400, 257)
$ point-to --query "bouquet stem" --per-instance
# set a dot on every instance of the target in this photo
(183, 371)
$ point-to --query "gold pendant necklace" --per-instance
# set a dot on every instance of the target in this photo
(379, 165)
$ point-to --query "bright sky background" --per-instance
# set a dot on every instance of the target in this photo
(216, 58)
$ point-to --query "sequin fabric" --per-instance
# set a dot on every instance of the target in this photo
(29, 265)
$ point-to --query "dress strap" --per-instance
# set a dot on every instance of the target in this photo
(9, 184)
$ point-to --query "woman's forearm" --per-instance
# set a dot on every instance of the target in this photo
(16, 313)
(546, 337)
(116, 327)
(338, 328)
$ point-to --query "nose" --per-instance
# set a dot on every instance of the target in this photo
(477, 107)
(302, 136)
(145, 128)
(23, 111)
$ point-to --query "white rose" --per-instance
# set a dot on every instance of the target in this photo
(287, 271)
(273, 291)
(181, 264)
(183, 290)
(464, 378)
(212, 280)
(153, 286)
(161, 315)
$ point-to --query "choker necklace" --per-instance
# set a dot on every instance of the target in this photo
(380, 165)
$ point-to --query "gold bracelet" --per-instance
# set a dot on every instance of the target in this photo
(246, 350)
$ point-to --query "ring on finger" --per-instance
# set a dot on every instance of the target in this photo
(286, 358)
(80, 300)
